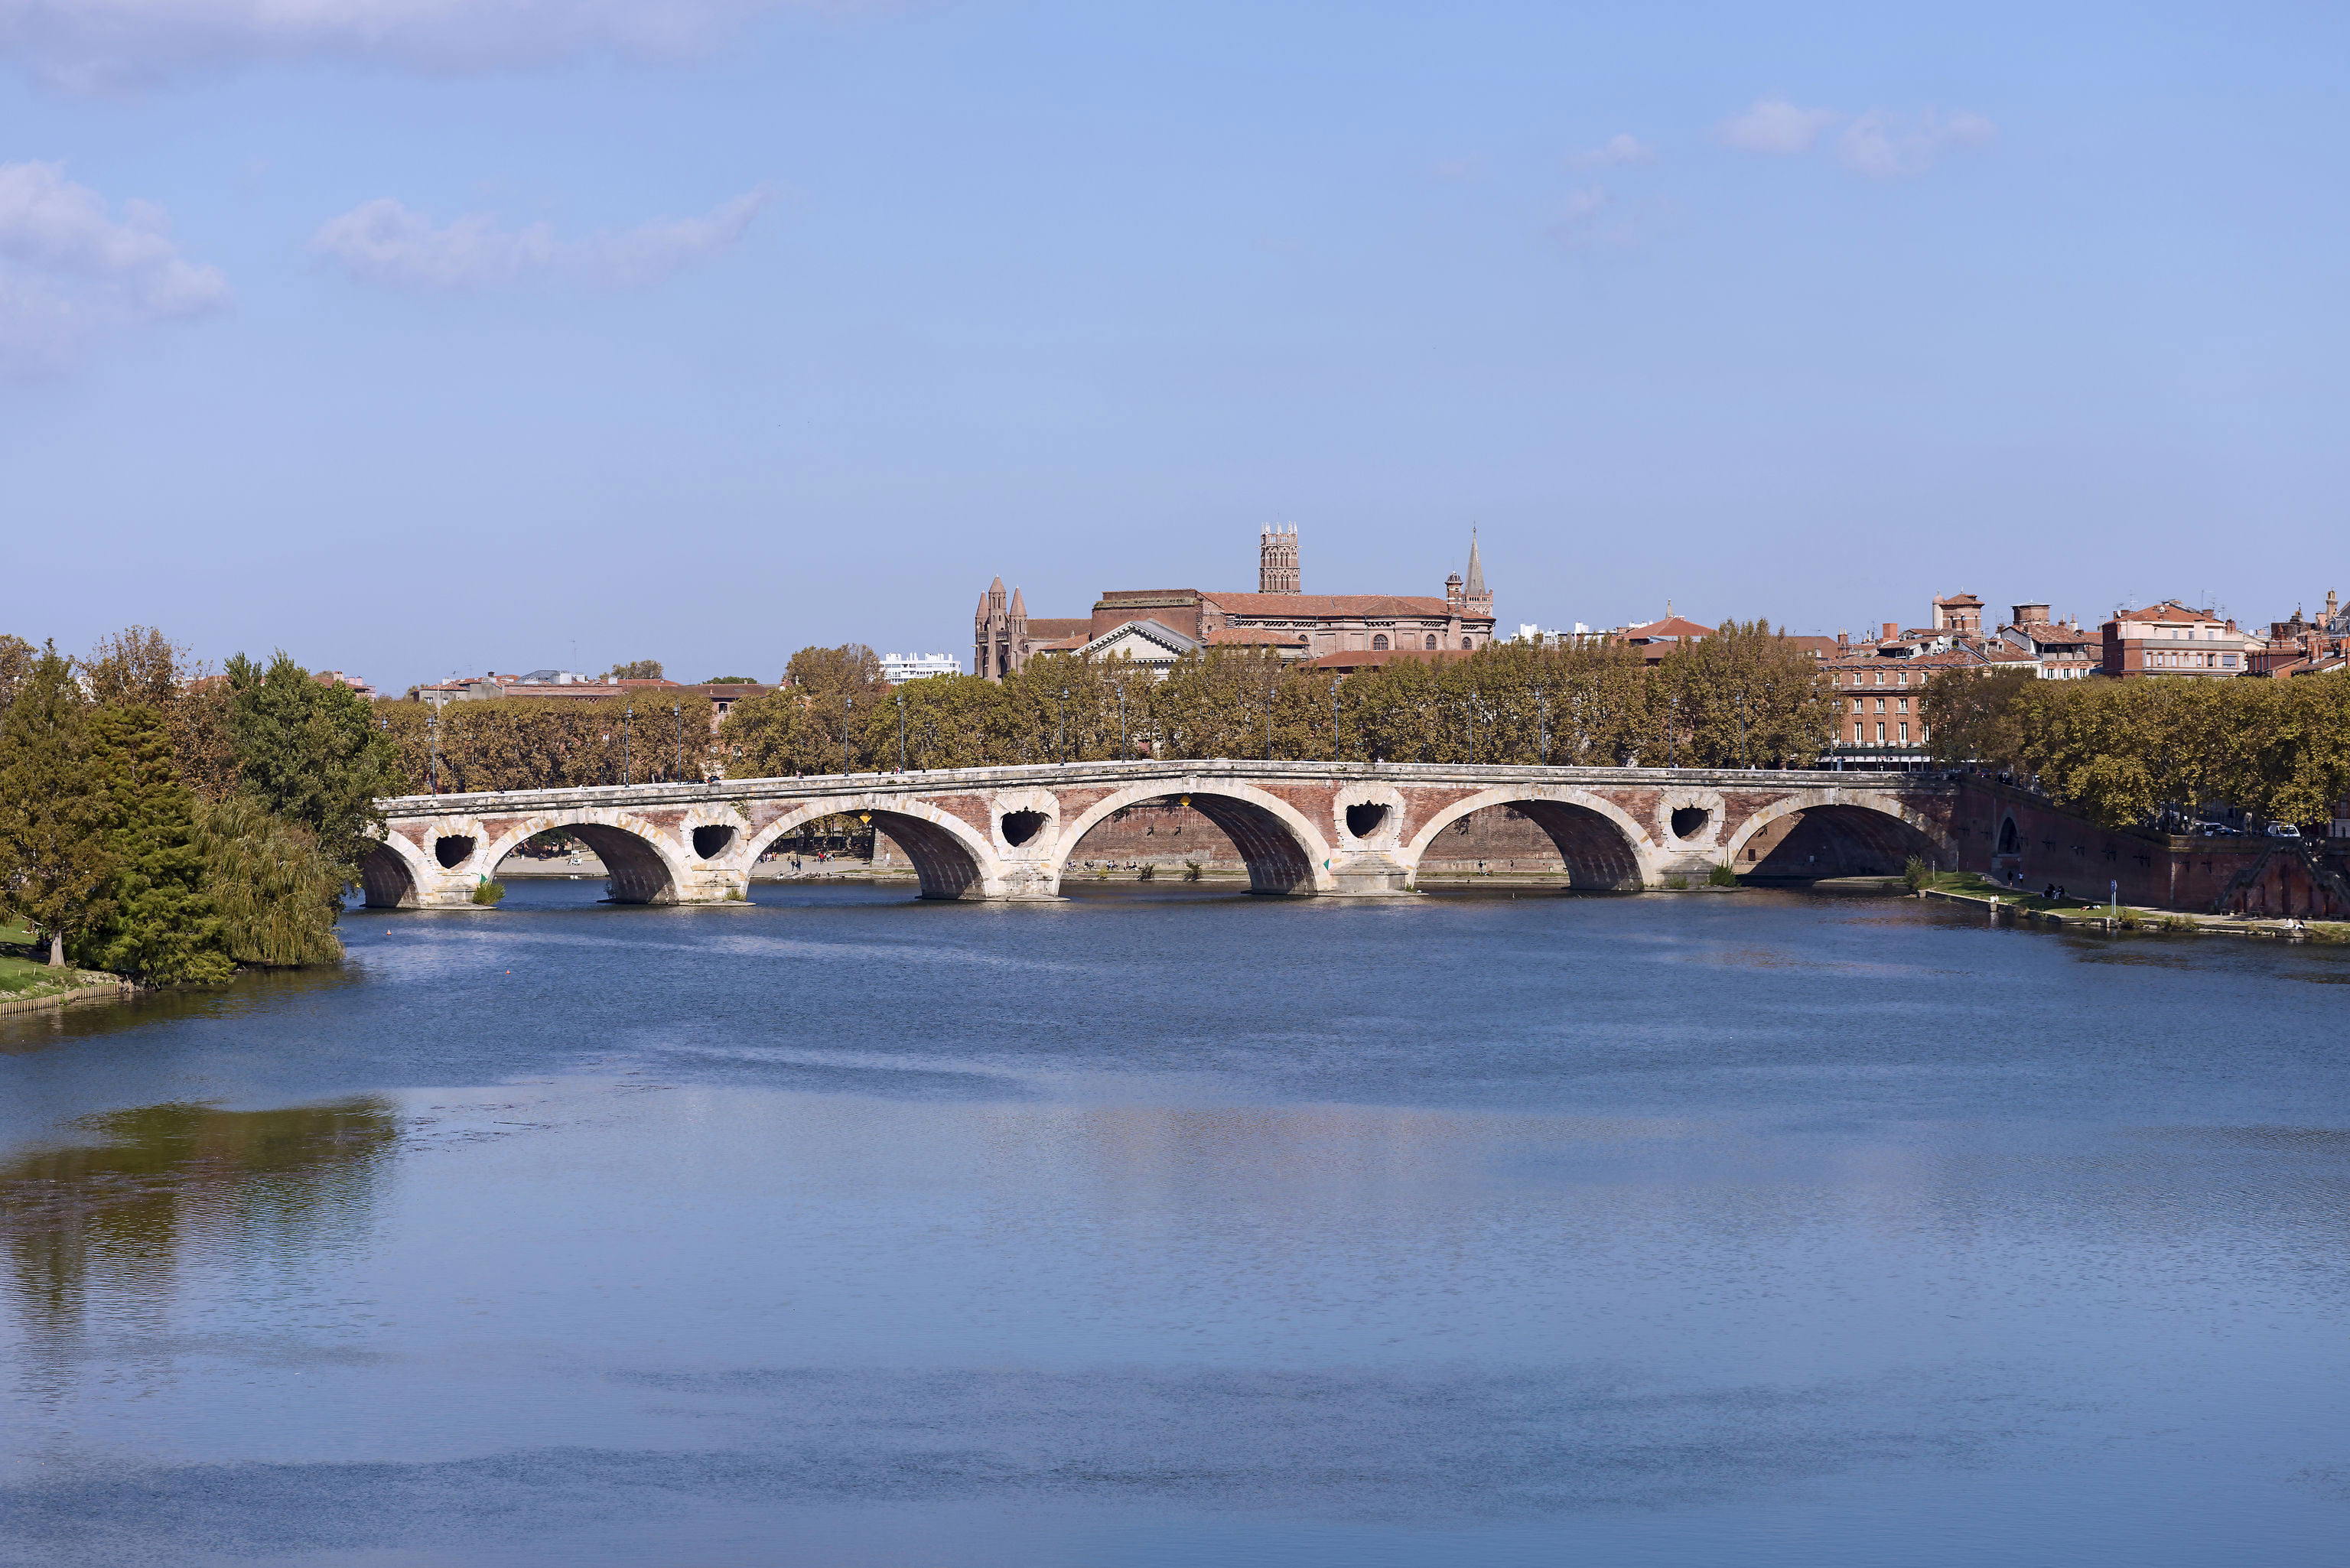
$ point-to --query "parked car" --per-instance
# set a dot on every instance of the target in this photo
(2283, 830)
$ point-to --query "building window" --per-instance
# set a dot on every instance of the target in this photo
(1905, 734)
(1880, 731)
(1432, 639)
(1901, 704)
(1880, 677)
(1880, 708)
(1379, 642)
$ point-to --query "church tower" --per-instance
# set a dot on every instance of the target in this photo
(990, 632)
(1473, 593)
(1276, 561)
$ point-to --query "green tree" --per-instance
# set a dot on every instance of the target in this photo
(852, 669)
(157, 921)
(274, 892)
(54, 865)
(636, 670)
(18, 658)
(311, 754)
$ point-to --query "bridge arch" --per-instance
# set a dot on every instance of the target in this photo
(640, 857)
(948, 856)
(1847, 832)
(388, 872)
(1283, 851)
(1605, 848)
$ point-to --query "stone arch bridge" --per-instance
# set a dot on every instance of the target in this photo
(1330, 829)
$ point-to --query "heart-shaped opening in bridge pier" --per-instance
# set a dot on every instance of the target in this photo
(1020, 827)
(453, 850)
(1690, 821)
(709, 841)
(1363, 819)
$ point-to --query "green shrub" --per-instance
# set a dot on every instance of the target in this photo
(488, 891)
(1917, 875)
(1721, 876)
(1676, 884)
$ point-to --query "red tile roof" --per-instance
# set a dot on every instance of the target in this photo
(1331, 605)
(2168, 609)
(1671, 626)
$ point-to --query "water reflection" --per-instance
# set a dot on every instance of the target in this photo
(106, 1226)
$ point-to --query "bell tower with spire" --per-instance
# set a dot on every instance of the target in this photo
(1470, 596)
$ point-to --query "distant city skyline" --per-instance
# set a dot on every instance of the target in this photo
(420, 340)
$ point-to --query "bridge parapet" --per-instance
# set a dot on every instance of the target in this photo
(1335, 829)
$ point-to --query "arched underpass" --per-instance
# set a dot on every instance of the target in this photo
(943, 864)
(1547, 843)
(1215, 833)
(634, 871)
(1840, 840)
(385, 882)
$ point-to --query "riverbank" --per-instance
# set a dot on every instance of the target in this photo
(27, 983)
(1967, 888)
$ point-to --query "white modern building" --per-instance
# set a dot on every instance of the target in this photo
(898, 668)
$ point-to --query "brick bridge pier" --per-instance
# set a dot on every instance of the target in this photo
(1328, 829)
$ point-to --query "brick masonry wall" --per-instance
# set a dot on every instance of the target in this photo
(2261, 877)
(1164, 834)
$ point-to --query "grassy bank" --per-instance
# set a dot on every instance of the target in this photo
(27, 978)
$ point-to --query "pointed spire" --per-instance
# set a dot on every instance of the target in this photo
(1476, 585)
(1019, 605)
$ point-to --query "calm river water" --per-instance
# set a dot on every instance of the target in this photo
(1170, 1228)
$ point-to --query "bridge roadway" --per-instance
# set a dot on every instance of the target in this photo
(1331, 829)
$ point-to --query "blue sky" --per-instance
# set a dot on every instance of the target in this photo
(419, 336)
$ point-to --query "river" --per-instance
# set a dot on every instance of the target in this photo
(1166, 1227)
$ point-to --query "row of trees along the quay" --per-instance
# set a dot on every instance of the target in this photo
(2129, 752)
(1745, 698)
(655, 736)
(164, 823)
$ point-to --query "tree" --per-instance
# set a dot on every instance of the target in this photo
(852, 669)
(157, 921)
(18, 658)
(137, 664)
(636, 670)
(274, 892)
(310, 753)
(53, 860)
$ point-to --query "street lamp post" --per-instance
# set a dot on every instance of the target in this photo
(1062, 744)
(1542, 726)
(432, 753)
(901, 732)
(1124, 745)
(627, 768)
(677, 717)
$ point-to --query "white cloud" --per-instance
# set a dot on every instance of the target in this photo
(384, 242)
(1621, 147)
(1877, 142)
(96, 43)
(1587, 221)
(70, 271)
(1887, 145)
(1774, 125)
